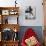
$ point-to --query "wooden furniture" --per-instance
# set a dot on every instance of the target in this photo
(0, 43)
(8, 11)
(11, 26)
(5, 13)
(10, 43)
(44, 35)
(44, 8)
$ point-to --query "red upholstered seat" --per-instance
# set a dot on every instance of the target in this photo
(29, 33)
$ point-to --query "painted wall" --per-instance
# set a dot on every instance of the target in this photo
(23, 4)
(37, 30)
(39, 13)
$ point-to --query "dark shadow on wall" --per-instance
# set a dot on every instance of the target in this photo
(37, 29)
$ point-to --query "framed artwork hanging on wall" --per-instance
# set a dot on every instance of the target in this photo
(30, 13)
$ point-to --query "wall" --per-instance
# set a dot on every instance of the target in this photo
(39, 16)
(39, 13)
(23, 4)
(37, 30)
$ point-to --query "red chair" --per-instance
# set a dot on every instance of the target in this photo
(29, 33)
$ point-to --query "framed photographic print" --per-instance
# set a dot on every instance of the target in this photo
(30, 13)
(5, 12)
(13, 12)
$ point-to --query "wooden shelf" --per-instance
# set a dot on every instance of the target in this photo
(9, 43)
(10, 26)
(5, 8)
(11, 15)
(5, 12)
